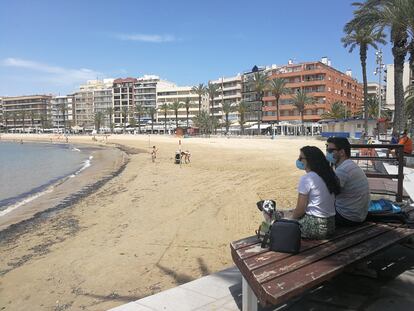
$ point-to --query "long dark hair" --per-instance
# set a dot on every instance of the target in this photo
(317, 163)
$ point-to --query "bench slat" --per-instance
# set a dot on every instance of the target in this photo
(289, 285)
(288, 265)
(269, 257)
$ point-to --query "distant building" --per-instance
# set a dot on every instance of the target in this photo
(1, 113)
(170, 94)
(408, 79)
(230, 92)
(93, 97)
(123, 100)
(248, 93)
(62, 112)
(319, 80)
(27, 113)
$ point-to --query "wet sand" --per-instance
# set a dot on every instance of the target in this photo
(150, 228)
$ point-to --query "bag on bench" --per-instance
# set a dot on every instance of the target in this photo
(386, 211)
(285, 236)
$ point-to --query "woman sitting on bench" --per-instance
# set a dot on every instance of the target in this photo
(315, 208)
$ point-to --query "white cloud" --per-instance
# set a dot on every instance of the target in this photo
(54, 74)
(146, 38)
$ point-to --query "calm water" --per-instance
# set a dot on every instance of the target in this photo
(28, 169)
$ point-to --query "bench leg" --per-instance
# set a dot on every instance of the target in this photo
(249, 299)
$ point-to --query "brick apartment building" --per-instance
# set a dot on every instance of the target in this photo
(320, 81)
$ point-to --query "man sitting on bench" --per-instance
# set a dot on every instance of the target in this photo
(352, 202)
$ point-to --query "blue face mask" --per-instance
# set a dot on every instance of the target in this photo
(330, 157)
(300, 165)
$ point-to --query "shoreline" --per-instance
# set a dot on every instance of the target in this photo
(66, 191)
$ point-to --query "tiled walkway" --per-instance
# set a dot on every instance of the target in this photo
(392, 290)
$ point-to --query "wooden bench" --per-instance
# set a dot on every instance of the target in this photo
(272, 278)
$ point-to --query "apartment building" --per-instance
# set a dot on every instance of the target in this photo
(248, 93)
(27, 113)
(93, 97)
(145, 91)
(320, 81)
(169, 94)
(123, 100)
(62, 112)
(408, 79)
(83, 109)
(229, 92)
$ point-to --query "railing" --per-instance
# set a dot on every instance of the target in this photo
(399, 158)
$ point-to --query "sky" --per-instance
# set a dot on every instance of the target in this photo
(52, 47)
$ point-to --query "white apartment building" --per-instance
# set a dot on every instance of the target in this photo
(229, 91)
(93, 97)
(123, 100)
(408, 78)
(62, 112)
(170, 94)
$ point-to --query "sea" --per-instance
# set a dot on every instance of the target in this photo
(28, 170)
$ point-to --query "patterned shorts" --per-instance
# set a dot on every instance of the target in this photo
(318, 228)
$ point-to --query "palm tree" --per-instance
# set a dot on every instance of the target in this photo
(5, 120)
(110, 113)
(363, 37)
(164, 108)
(205, 122)
(227, 109)
(242, 109)
(124, 115)
(14, 117)
(98, 120)
(212, 91)
(152, 111)
(278, 87)
(23, 116)
(139, 110)
(200, 90)
(393, 14)
(337, 111)
(187, 105)
(176, 105)
(300, 101)
(259, 82)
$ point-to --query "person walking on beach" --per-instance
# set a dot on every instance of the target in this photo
(352, 203)
(154, 153)
(315, 208)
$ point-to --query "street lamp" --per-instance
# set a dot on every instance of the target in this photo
(378, 71)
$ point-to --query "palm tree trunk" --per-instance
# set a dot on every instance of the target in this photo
(165, 122)
(259, 115)
(227, 123)
(363, 58)
(303, 125)
(139, 123)
(399, 52)
(187, 119)
(176, 120)
(277, 109)
(199, 104)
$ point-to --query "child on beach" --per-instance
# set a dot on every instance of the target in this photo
(154, 153)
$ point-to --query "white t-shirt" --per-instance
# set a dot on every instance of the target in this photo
(321, 203)
(353, 200)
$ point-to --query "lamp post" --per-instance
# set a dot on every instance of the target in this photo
(378, 71)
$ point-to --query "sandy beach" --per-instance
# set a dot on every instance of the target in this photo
(151, 227)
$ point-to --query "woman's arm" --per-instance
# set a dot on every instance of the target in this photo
(301, 205)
